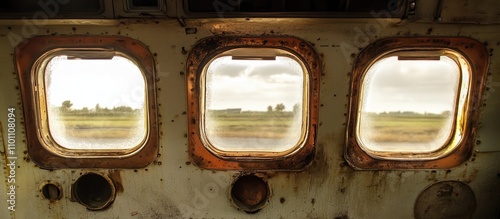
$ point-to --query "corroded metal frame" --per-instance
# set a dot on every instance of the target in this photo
(208, 48)
(47, 154)
(477, 57)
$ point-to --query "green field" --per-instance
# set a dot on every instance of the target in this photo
(382, 127)
(402, 128)
(249, 124)
(100, 126)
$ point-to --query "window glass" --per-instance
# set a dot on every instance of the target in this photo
(408, 105)
(254, 104)
(95, 103)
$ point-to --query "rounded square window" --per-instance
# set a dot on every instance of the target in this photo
(408, 104)
(414, 103)
(252, 103)
(89, 101)
(95, 104)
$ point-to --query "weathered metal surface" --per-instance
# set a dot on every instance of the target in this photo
(464, 11)
(172, 187)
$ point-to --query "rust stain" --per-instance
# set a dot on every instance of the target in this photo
(114, 175)
(250, 192)
(469, 176)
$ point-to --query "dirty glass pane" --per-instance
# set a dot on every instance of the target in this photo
(95, 103)
(408, 105)
(254, 105)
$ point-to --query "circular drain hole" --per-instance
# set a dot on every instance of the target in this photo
(51, 190)
(250, 193)
(94, 191)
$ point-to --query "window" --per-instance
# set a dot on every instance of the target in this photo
(252, 104)
(141, 5)
(90, 102)
(141, 8)
(294, 8)
(409, 105)
(415, 105)
(95, 103)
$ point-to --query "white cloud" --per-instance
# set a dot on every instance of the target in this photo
(85, 83)
(259, 84)
(419, 86)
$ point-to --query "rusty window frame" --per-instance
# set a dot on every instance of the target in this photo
(209, 48)
(30, 55)
(456, 151)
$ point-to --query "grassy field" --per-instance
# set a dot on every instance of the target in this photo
(375, 127)
(382, 127)
(100, 126)
(250, 124)
(402, 128)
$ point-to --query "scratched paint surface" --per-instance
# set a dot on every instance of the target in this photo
(172, 187)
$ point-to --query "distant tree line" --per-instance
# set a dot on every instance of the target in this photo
(280, 107)
(411, 113)
(66, 108)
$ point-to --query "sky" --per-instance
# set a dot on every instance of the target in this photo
(390, 85)
(419, 86)
(109, 83)
(253, 84)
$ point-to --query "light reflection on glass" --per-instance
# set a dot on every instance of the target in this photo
(408, 105)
